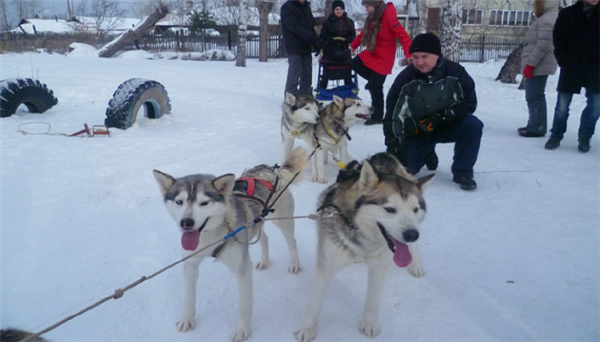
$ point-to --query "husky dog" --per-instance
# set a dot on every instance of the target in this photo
(207, 208)
(331, 132)
(300, 114)
(371, 210)
(15, 335)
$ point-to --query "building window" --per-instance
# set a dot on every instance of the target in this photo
(472, 17)
(510, 18)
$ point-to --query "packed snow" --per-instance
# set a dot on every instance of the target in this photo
(517, 259)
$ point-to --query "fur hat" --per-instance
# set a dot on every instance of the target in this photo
(374, 3)
(338, 3)
(426, 42)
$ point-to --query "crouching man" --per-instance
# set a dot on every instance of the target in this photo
(432, 101)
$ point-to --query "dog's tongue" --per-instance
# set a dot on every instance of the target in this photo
(190, 241)
(402, 256)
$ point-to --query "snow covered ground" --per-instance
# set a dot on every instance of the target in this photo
(517, 259)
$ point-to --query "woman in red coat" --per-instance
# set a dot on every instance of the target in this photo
(377, 60)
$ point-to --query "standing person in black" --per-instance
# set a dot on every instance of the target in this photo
(299, 38)
(577, 49)
(338, 31)
(432, 101)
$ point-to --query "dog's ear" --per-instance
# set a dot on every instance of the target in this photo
(165, 181)
(338, 101)
(368, 177)
(423, 182)
(224, 184)
(290, 98)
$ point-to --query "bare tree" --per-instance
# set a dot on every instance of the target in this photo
(240, 59)
(107, 15)
(451, 27)
(6, 24)
(82, 9)
(20, 7)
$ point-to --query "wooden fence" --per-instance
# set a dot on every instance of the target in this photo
(476, 49)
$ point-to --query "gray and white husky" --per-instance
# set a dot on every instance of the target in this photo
(371, 214)
(300, 113)
(207, 208)
(331, 132)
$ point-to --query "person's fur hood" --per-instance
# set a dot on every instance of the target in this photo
(542, 6)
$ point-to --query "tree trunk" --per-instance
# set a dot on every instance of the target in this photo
(264, 8)
(129, 36)
(511, 67)
(240, 59)
(328, 9)
(451, 27)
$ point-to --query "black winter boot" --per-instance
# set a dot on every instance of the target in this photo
(552, 143)
(584, 145)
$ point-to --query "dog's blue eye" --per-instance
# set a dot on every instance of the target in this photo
(390, 210)
(179, 202)
(204, 203)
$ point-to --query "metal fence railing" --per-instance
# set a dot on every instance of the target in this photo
(475, 49)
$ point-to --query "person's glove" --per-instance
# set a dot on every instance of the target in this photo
(528, 71)
(330, 40)
(393, 147)
(429, 123)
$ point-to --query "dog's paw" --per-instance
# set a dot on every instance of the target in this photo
(239, 335)
(416, 271)
(294, 268)
(323, 180)
(306, 334)
(262, 265)
(185, 324)
(370, 329)
(314, 179)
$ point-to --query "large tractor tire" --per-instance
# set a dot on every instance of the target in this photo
(25, 91)
(130, 97)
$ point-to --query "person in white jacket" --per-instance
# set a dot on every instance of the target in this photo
(537, 62)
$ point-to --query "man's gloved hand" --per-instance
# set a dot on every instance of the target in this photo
(393, 147)
(528, 72)
(429, 123)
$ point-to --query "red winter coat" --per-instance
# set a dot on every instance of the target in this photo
(381, 60)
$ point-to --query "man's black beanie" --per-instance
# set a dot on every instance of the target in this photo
(426, 42)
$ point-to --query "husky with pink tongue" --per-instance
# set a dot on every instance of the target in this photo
(372, 215)
(208, 208)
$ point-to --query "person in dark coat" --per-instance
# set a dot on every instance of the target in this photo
(576, 47)
(338, 31)
(300, 40)
(379, 36)
(432, 101)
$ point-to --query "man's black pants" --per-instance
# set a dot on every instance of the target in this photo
(375, 83)
(465, 132)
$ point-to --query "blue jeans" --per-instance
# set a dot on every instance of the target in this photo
(535, 94)
(589, 116)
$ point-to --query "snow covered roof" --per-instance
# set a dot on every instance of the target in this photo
(63, 26)
(44, 25)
